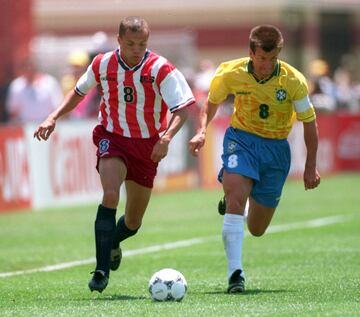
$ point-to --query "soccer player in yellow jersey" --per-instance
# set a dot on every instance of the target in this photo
(269, 95)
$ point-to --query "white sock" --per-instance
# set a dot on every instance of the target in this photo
(233, 236)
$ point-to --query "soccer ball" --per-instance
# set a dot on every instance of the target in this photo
(167, 285)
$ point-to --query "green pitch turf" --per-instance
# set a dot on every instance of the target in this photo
(307, 264)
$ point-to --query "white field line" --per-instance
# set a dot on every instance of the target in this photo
(181, 244)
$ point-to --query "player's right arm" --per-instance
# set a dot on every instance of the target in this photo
(207, 113)
(44, 130)
(71, 100)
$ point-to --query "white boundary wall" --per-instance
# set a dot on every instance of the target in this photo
(62, 169)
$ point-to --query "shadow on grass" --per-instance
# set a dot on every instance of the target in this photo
(249, 292)
(115, 297)
(120, 297)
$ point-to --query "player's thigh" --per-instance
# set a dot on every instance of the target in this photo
(112, 172)
(237, 189)
(259, 217)
(137, 199)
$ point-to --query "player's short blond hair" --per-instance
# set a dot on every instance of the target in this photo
(133, 24)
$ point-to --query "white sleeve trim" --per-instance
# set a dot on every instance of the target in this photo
(86, 82)
(176, 91)
(303, 104)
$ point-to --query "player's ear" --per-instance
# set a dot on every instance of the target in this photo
(119, 39)
(251, 53)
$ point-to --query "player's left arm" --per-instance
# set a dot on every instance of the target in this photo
(305, 112)
(178, 95)
(162, 146)
(311, 174)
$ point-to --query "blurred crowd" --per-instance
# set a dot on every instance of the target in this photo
(32, 95)
(339, 92)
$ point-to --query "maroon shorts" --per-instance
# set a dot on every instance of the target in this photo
(134, 152)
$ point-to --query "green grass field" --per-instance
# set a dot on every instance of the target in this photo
(301, 267)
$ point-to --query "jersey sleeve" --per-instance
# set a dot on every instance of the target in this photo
(175, 91)
(218, 91)
(90, 78)
(303, 107)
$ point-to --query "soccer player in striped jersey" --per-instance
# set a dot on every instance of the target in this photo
(269, 95)
(138, 88)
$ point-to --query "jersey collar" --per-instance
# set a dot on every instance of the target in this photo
(276, 72)
(134, 68)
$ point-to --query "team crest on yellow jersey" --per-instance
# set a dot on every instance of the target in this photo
(281, 94)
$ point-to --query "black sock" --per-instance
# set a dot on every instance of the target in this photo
(122, 232)
(105, 224)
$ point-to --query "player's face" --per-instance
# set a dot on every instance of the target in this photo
(264, 63)
(133, 46)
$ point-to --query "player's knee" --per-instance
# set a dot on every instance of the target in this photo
(256, 231)
(235, 205)
(111, 198)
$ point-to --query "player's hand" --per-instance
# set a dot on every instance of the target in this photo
(311, 178)
(196, 143)
(44, 130)
(160, 150)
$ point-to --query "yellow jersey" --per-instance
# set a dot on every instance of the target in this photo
(267, 108)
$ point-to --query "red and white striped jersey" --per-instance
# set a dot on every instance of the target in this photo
(135, 100)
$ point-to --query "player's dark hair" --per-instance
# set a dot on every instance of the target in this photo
(133, 24)
(267, 37)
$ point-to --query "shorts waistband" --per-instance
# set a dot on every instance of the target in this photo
(258, 137)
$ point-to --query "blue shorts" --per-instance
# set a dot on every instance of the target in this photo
(265, 161)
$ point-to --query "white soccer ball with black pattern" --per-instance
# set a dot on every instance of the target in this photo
(167, 285)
